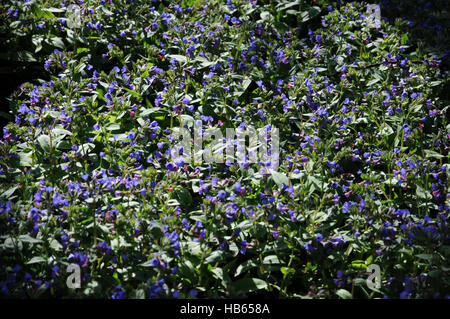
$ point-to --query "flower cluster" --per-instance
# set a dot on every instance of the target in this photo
(88, 177)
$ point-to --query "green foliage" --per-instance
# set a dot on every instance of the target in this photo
(87, 176)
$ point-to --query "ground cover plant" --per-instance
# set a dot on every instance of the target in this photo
(87, 177)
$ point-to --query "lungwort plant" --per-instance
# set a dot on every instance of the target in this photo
(87, 179)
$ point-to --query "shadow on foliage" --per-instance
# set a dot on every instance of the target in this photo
(428, 30)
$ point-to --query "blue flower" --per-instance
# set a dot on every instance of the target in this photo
(154, 262)
(193, 292)
(28, 277)
(23, 109)
(404, 62)
(131, 135)
(244, 246)
(222, 194)
(5, 289)
(170, 166)
(118, 293)
(308, 246)
(405, 293)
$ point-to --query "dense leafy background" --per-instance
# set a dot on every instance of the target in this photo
(86, 174)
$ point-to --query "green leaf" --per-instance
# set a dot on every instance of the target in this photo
(244, 225)
(24, 56)
(39, 13)
(188, 271)
(12, 243)
(244, 267)
(44, 142)
(179, 58)
(344, 294)
(58, 42)
(310, 13)
(287, 271)
(279, 178)
(187, 120)
(86, 148)
(145, 112)
(425, 256)
(204, 63)
(57, 10)
(55, 244)
(433, 154)
(25, 159)
(36, 260)
(138, 294)
(245, 84)
(81, 50)
(215, 256)
(29, 239)
(266, 16)
(372, 82)
(359, 264)
(134, 93)
(249, 284)
(7, 194)
(183, 196)
(272, 259)
(221, 275)
(360, 282)
(112, 127)
(404, 40)
(422, 194)
(58, 135)
(285, 6)
(234, 249)
(387, 130)
(194, 248)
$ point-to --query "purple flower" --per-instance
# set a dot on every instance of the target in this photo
(28, 277)
(193, 292)
(405, 294)
(154, 261)
(308, 246)
(131, 135)
(244, 246)
(23, 109)
(222, 194)
(5, 289)
(170, 166)
(118, 293)
(404, 62)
